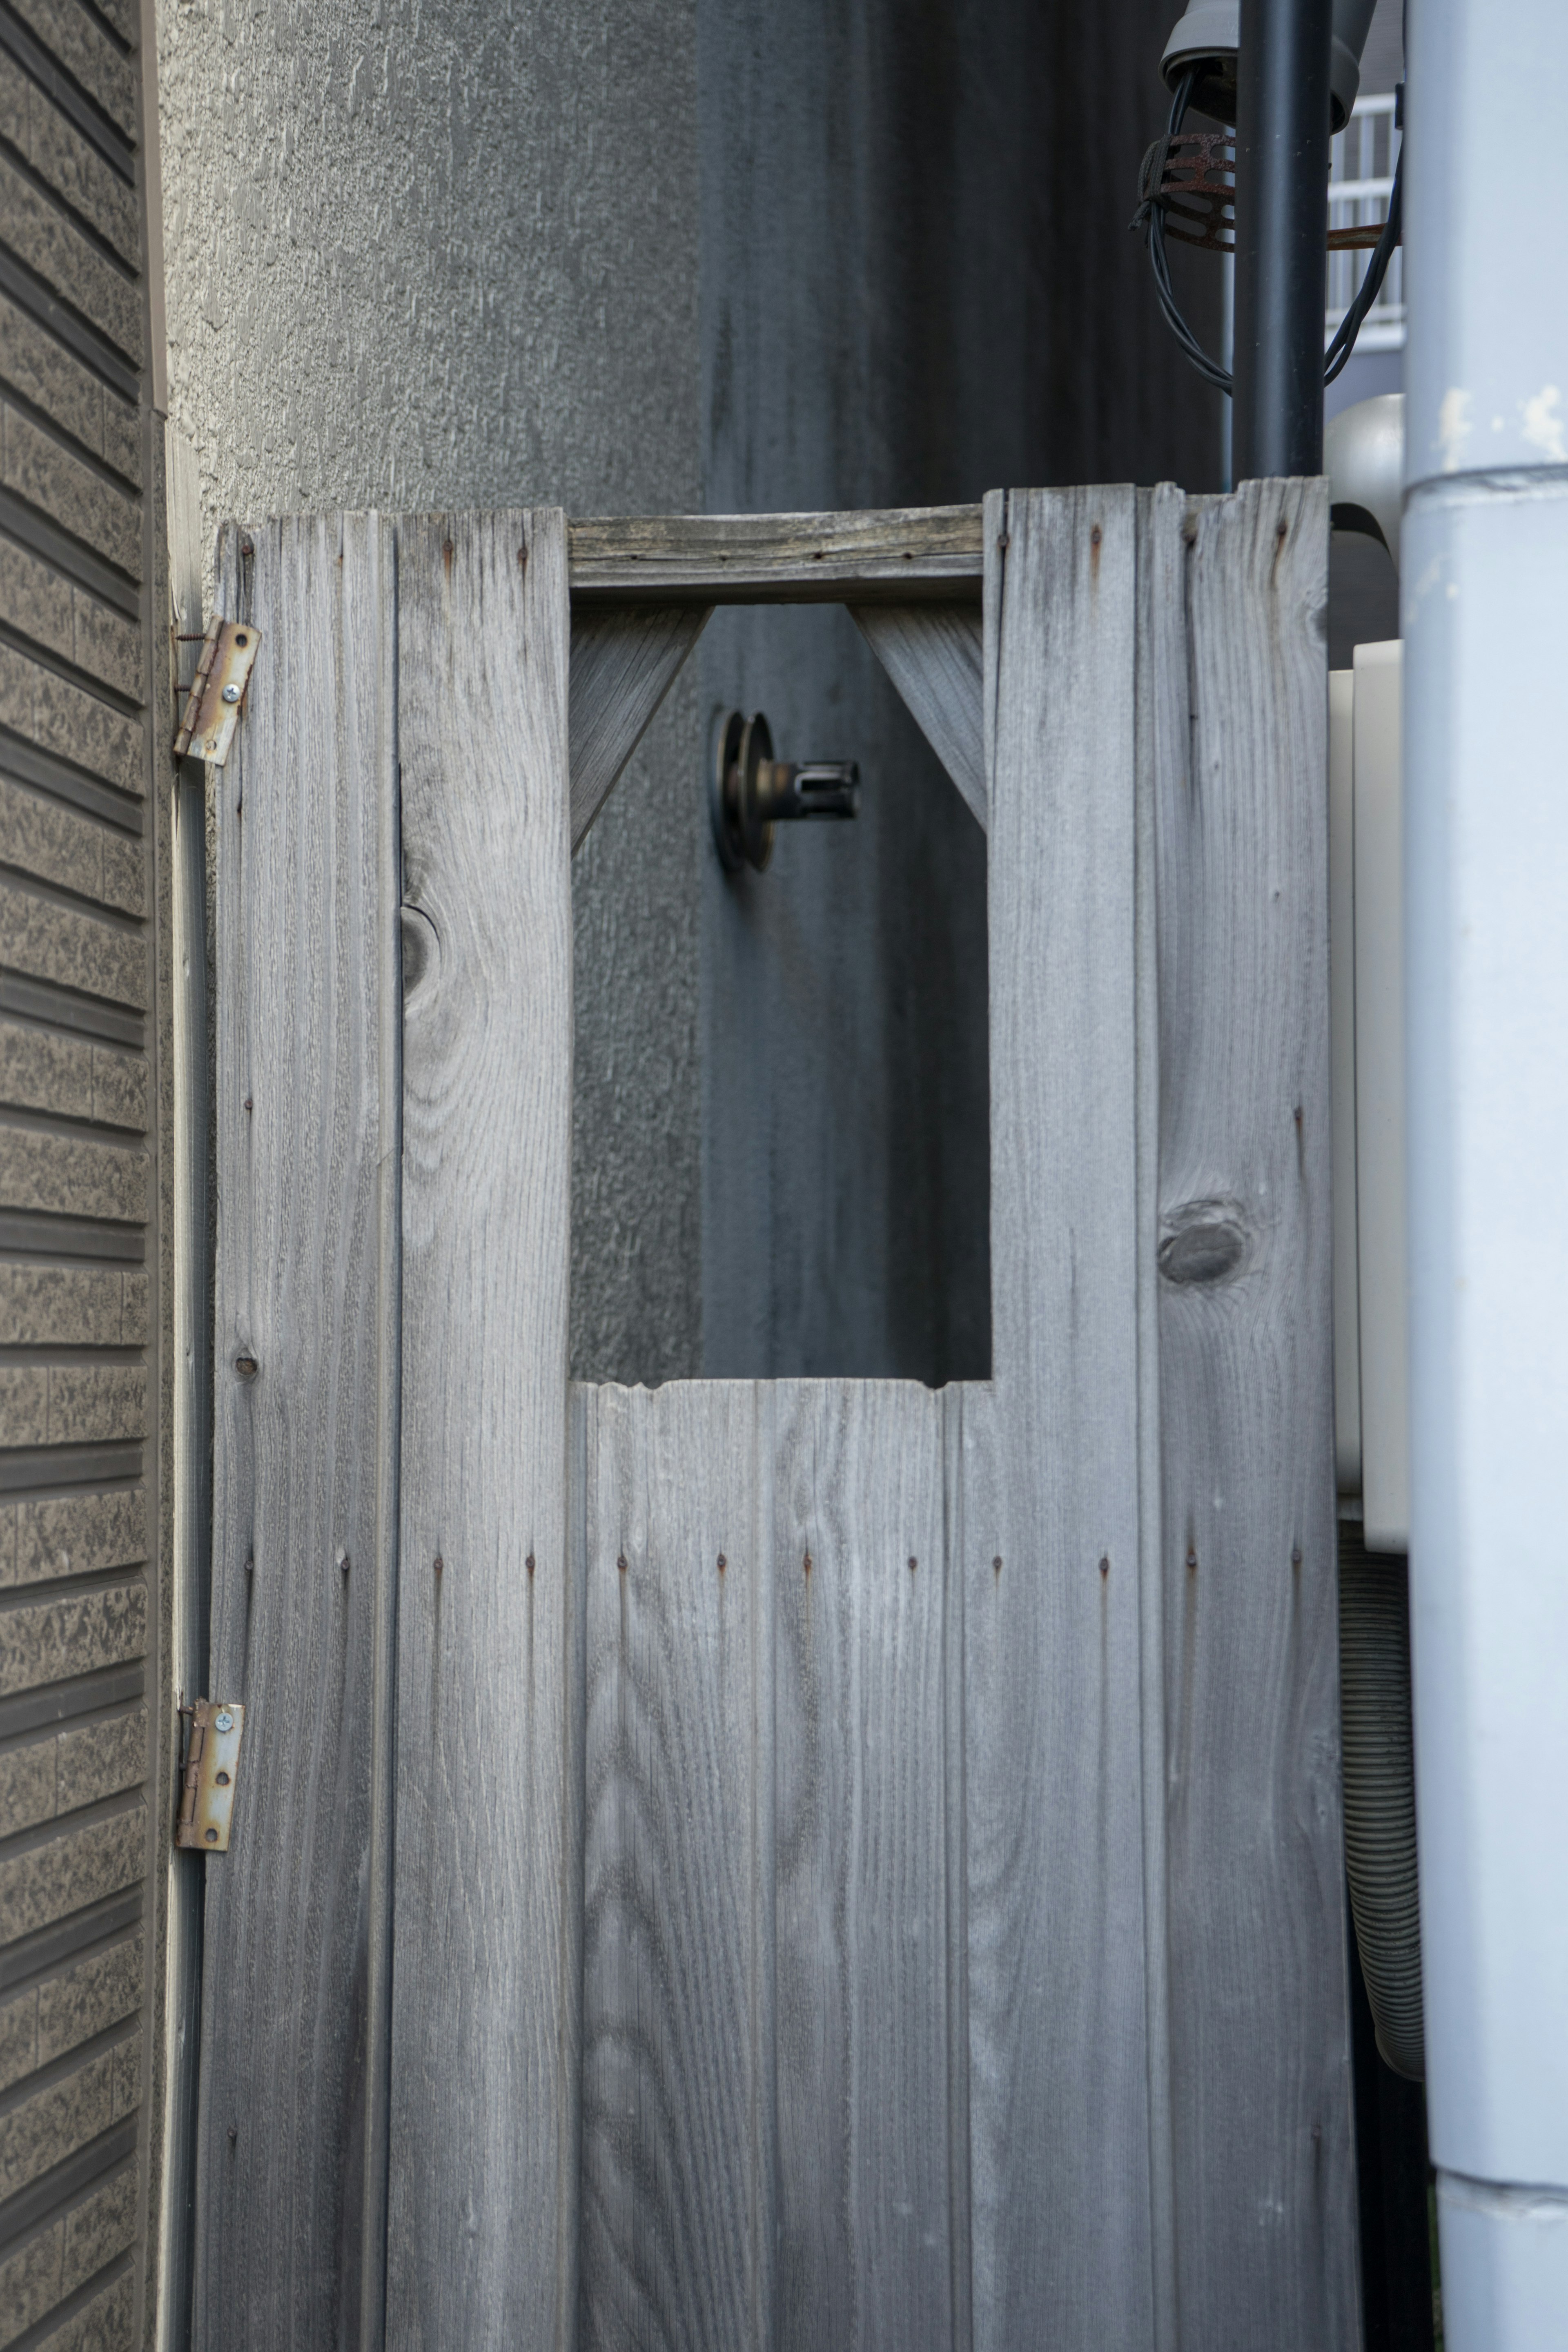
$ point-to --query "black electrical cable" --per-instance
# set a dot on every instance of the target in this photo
(1151, 218)
(1371, 286)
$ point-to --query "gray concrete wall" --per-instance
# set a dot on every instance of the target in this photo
(679, 254)
(917, 285)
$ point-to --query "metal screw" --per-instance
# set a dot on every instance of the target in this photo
(231, 693)
(223, 1720)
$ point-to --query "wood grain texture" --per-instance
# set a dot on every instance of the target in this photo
(1261, 2112)
(307, 1121)
(625, 659)
(1050, 1532)
(883, 1954)
(934, 654)
(865, 2224)
(1162, 724)
(679, 2126)
(889, 554)
(483, 2192)
(767, 2028)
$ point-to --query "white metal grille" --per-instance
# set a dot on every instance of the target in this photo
(1361, 178)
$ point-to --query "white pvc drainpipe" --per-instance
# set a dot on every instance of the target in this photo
(1485, 589)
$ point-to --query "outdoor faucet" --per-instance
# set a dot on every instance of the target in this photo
(750, 792)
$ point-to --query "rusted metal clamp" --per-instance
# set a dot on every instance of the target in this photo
(207, 1774)
(218, 689)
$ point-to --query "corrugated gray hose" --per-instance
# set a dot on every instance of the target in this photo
(1380, 1794)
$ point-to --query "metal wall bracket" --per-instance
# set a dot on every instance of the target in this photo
(218, 689)
(207, 1775)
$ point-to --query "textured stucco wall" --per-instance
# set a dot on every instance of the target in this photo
(423, 254)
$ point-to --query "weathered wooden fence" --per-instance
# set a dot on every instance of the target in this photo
(777, 1864)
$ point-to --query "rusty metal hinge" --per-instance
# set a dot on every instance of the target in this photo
(218, 689)
(207, 1774)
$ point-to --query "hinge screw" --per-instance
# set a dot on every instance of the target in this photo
(231, 693)
(223, 1720)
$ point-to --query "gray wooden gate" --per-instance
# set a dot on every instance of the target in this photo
(800, 1863)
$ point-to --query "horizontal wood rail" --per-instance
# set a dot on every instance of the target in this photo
(893, 555)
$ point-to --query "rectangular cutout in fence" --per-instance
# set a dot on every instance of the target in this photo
(866, 1862)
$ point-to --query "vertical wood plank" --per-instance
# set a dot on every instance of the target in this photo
(1062, 2235)
(1163, 702)
(483, 2198)
(304, 1436)
(865, 2224)
(679, 2130)
(1264, 2163)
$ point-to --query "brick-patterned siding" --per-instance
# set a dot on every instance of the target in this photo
(79, 1272)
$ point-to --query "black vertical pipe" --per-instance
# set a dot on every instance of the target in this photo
(1282, 228)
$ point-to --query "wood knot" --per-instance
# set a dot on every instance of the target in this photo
(1206, 1242)
(246, 1367)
